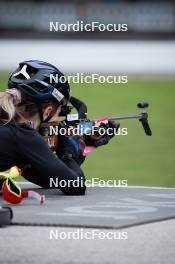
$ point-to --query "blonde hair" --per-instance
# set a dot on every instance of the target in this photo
(14, 106)
(8, 100)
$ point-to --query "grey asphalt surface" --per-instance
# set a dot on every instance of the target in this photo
(150, 243)
(108, 225)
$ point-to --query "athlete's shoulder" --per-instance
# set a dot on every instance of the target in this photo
(15, 127)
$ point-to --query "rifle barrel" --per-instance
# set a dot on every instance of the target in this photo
(123, 117)
(126, 117)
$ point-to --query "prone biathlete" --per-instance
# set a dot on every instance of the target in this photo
(29, 101)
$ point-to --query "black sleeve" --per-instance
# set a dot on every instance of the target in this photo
(46, 166)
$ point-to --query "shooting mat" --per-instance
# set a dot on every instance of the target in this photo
(100, 207)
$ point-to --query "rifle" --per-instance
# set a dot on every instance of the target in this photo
(82, 115)
(83, 124)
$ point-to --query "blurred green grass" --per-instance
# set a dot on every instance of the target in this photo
(139, 159)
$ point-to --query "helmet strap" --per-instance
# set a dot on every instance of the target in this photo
(40, 108)
(47, 119)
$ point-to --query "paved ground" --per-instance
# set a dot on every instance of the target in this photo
(108, 225)
(150, 243)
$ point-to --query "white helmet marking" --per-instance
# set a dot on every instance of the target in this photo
(23, 72)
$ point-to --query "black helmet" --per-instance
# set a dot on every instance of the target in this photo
(33, 78)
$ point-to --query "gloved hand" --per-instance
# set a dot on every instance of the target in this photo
(71, 147)
(102, 140)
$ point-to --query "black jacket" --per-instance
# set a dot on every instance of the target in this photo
(22, 146)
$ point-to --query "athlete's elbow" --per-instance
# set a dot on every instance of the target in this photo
(78, 190)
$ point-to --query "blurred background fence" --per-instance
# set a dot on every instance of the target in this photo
(147, 47)
(33, 17)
